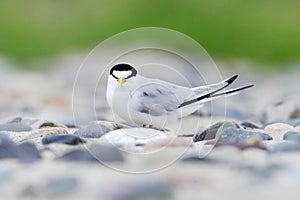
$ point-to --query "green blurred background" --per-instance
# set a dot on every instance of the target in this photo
(266, 31)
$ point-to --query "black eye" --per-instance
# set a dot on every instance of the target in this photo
(123, 67)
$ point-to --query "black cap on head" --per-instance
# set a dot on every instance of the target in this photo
(123, 67)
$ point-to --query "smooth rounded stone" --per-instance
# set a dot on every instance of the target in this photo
(94, 153)
(60, 187)
(292, 136)
(105, 153)
(235, 135)
(214, 131)
(39, 124)
(63, 139)
(15, 127)
(291, 122)
(128, 138)
(171, 141)
(250, 125)
(278, 129)
(25, 152)
(40, 133)
(111, 125)
(284, 147)
(92, 131)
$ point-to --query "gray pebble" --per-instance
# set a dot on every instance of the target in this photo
(78, 155)
(94, 153)
(15, 127)
(60, 187)
(235, 135)
(210, 132)
(63, 139)
(249, 125)
(92, 131)
(292, 136)
(25, 152)
(285, 147)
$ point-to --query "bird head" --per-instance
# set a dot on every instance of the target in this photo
(122, 72)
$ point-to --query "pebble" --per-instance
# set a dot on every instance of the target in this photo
(60, 187)
(25, 152)
(105, 153)
(292, 136)
(15, 127)
(78, 155)
(94, 153)
(92, 131)
(250, 125)
(235, 135)
(278, 128)
(63, 139)
(40, 133)
(284, 147)
(111, 125)
(212, 131)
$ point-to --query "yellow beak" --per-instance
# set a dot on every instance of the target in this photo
(121, 80)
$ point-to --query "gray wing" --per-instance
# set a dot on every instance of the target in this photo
(154, 99)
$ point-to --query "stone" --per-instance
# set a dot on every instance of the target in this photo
(250, 125)
(94, 153)
(63, 139)
(40, 133)
(105, 153)
(40, 123)
(92, 131)
(292, 136)
(25, 152)
(235, 135)
(212, 131)
(60, 187)
(15, 127)
(78, 155)
(284, 147)
(278, 129)
(111, 125)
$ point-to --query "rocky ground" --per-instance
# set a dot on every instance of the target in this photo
(45, 153)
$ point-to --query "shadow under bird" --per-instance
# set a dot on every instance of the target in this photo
(154, 102)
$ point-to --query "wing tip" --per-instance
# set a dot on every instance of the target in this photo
(230, 80)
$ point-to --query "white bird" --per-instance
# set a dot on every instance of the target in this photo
(154, 102)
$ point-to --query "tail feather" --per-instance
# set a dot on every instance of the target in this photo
(212, 94)
(213, 88)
